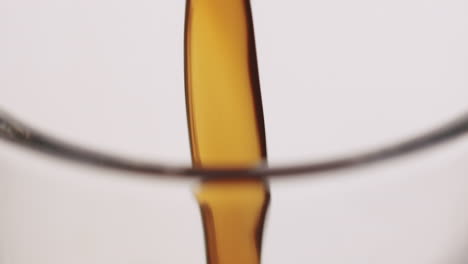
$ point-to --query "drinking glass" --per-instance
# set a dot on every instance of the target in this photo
(365, 115)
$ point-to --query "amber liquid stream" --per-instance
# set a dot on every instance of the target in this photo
(226, 126)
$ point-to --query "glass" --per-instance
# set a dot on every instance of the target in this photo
(363, 105)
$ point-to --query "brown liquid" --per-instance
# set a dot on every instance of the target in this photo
(226, 126)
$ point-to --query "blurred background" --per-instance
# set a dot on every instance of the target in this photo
(337, 77)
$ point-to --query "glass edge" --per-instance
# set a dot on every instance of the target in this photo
(18, 133)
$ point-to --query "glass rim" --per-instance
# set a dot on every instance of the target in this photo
(20, 134)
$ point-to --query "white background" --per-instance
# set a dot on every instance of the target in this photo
(337, 76)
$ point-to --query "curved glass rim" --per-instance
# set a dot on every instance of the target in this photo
(20, 134)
